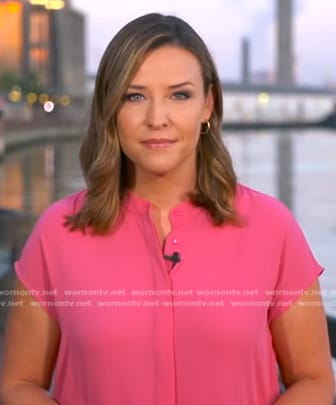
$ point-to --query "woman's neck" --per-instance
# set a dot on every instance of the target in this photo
(163, 193)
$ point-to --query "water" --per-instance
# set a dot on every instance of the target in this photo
(298, 167)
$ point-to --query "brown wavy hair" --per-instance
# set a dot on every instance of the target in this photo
(105, 166)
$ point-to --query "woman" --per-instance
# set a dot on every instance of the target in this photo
(165, 282)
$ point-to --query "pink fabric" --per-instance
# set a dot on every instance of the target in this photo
(197, 334)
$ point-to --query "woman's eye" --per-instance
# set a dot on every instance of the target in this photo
(181, 95)
(133, 97)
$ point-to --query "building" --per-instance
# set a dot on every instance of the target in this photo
(263, 76)
(11, 34)
(44, 38)
(265, 103)
(285, 53)
(245, 61)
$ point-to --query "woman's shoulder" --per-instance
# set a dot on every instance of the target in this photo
(56, 212)
(251, 195)
(262, 208)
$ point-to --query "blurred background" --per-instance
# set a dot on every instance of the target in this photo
(277, 62)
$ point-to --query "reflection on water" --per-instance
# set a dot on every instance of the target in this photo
(300, 169)
(31, 179)
(297, 167)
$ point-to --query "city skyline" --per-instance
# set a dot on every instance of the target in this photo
(223, 25)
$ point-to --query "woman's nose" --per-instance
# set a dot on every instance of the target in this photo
(157, 114)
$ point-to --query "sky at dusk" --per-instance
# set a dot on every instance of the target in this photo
(222, 24)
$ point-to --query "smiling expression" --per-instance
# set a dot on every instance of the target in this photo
(160, 119)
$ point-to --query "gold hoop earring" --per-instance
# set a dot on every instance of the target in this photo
(207, 129)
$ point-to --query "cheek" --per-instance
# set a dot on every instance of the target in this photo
(127, 146)
(125, 142)
(126, 132)
(126, 119)
(123, 125)
(191, 118)
(191, 128)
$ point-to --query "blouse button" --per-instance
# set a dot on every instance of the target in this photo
(175, 241)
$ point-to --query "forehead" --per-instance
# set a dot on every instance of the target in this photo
(169, 63)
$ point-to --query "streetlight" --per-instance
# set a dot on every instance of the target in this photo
(49, 4)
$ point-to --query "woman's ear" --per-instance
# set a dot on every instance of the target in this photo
(209, 103)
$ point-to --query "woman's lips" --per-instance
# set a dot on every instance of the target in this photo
(158, 144)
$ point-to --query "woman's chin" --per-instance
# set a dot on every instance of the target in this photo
(159, 170)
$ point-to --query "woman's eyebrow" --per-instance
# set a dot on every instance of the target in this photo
(136, 86)
(172, 86)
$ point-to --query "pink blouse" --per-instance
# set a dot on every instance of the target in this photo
(137, 329)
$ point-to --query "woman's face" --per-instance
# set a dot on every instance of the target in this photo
(160, 118)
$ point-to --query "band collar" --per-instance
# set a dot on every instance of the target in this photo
(137, 204)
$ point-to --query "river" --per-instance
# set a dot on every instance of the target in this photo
(299, 167)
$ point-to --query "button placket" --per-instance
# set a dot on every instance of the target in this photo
(173, 241)
(176, 216)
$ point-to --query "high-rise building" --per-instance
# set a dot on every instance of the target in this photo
(11, 36)
(285, 57)
(44, 37)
